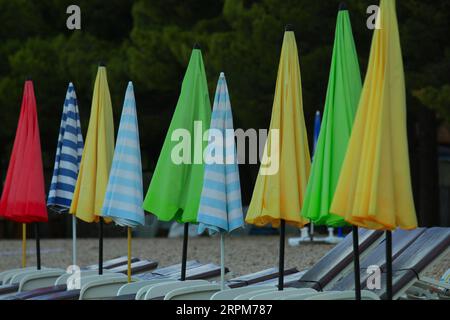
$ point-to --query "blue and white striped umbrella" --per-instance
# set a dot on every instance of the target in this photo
(68, 155)
(220, 204)
(124, 194)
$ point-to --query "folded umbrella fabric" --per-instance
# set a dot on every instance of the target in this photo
(344, 90)
(279, 195)
(220, 202)
(23, 197)
(124, 194)
(374, 188)
(97, 156)
(176, 186)
(68, 154)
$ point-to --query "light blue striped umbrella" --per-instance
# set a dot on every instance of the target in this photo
(124, 194)
(220, 204)
(67, 160)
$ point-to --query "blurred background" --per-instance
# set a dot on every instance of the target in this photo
(150, 41)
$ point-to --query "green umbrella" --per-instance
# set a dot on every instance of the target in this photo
(176, 186)
(344, 89)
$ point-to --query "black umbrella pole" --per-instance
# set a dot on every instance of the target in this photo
(38, 245)
(356, 263)
(281, 261)
(388, 265)
(100, 247)
(184, 255)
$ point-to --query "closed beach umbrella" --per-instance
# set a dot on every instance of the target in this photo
(23, 196)
(343, 93)
(344, 90)
(124, 195)
(278, 198)
(374, 188)
(96, 160)
(67, 162)
(220, 203)
(176, 186)
(317, 124)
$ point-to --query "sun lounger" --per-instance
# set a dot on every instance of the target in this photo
(409, 265)
(337, 261)
(59, 283)
(195, 271)
(192, 292)
(258, 277)
(401, 240)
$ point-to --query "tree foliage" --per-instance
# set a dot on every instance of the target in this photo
(149, 42)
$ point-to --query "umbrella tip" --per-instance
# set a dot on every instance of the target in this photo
(28, 78)
(222, 74)
(317, 113)
(196, 46)
(343, 6)
(289, 27)
(102, 64)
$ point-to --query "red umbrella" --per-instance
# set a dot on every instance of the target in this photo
(23, 197)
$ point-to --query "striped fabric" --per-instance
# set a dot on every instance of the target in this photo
(220, 204)
(68, 154)
(124, 195)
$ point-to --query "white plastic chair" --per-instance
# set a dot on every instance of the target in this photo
(160, 290)
(230, 294)
(195, 292)
(134, 287)
(278, 295)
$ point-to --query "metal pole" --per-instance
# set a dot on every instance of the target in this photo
(38, 246)
(129, 255)
(281, 258)
(100, 247)
(24, 245)
(74, 240)
(356, 263)
(389, 265)
(222, 261)
(184, 254)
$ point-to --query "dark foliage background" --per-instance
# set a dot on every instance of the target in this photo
(149, 42)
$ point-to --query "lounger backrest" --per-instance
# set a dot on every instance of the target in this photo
(401, 240)
(336, 260)
(112, 263)
(258, 277)
(429, 246)
(136, 267)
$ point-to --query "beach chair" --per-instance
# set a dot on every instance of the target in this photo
(336, 261)
(401, 240)
(137, 290)
(37, 284)
(259, 277)
(408, 266)
(192, 292)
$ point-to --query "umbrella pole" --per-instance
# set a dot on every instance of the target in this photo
(129, 254)
(356, 263)
(100, 247)
(388, 265)
(38, 245)
(281, 260)
(74, 240)
(24, 245)
(222, 261)
(184, 255)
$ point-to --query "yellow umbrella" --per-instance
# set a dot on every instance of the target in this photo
(374, 188)
(278, 196)
(96, 160)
